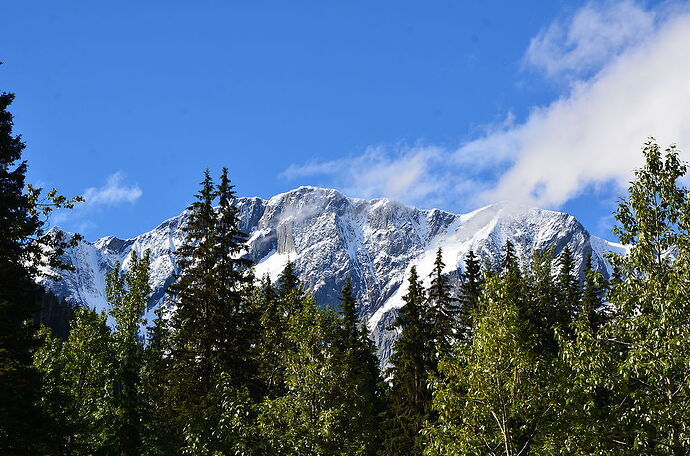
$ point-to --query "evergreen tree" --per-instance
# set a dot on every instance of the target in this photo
(213, 326)
(361, 392)
(23, 243)
(592, 296)
(543, 314)
(193, 345)
(271, 341)
(569, 289)
(238, 323)
(470, 291)
(409, 397)
(276, 307)
(442, 310)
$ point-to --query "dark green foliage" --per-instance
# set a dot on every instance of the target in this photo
(593, 291)
(410, 396)
(569, 289)
(362, 388)
(538, 363)
(213, 325)
(23, 242)
(470, 291)
(441, 310)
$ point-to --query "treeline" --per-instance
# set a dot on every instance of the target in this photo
(534, 355)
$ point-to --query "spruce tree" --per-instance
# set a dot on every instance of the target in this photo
(23, 243)
(593, 291)
(442, 310)
(409, 397)
(362, 391)
(491, 396)
(470, 291)
(569, 288)
(158, 423)
(236, 322)
(193, 293)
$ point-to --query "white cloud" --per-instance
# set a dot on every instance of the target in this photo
(589, 38)
(403, 173)
(113, 192)
(638, 86)
(593, 134)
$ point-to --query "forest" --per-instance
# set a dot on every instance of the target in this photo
(527, 356)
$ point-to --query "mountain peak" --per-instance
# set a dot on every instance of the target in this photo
(329, 236)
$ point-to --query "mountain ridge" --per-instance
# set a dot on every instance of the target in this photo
(328, 236)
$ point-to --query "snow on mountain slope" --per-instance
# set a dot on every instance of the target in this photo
(329, 236)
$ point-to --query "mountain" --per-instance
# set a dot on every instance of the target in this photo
(329, 236)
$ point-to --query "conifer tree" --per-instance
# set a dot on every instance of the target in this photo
(213, 325)
(409, 397)
(569, 289)
(237, 322)
(470, 291)
(361, 393)
(192, 344)
(442, 310)
(490, 398)
(592, 296)
(271, 339)
(543, 313)
(23, 243)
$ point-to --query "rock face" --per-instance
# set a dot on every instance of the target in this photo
(329, 236)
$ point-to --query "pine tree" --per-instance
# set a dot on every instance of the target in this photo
(409, 397)
(23, 243)
(569, 289)
(442, 310)
(470, 291)
(362, 391)
(592, 296)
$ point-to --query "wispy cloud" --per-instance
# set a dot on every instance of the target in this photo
(590, 38)
(112, 192)
(626, 73)
(405, 173)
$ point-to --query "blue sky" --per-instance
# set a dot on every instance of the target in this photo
(448, 104)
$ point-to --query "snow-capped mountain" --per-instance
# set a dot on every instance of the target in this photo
(328, 236)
